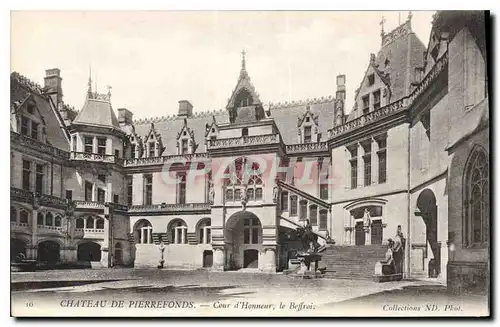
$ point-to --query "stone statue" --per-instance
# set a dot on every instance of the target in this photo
(275, 193)
(211, 192)
(308, 238)
(366, 219)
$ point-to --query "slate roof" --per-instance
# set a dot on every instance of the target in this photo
(284, 114)
(97, 113)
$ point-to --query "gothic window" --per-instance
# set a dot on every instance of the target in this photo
(353, 162)
(48, 219)
(477, 199)
(367, 161)
(57, 221)
(129, 190)
(382, 159)
(88, 191)
(151, 149)
(153, 143)
(90, 223)
(307, 134)
(243, 176)
(40, 219)
(79, 223)
(99, 224)
(184, 147)
(23, 216)
(181, 188)
(251, 231)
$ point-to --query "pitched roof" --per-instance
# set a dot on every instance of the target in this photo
(97, 112)
(284, 114)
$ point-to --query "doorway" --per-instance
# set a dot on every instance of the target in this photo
(208, 258)
(48, 252)
(89, 252)
(251, 258)
(359, 233)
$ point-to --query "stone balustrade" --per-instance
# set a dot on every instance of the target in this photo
(306, 147)
(89, 204)
(243, 141)
(28, 142)
(51, 201)
(170, 207)
(179, 158)
(106, 158)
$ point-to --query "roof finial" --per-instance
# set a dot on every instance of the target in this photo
(89, 89)
(243, 61)
(382, 21)
(410, 15)
(109, 91)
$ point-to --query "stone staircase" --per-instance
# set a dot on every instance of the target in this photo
(352, 262)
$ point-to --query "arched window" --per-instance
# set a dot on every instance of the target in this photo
(40, 219)
(99, 224)
(90, 223)
(178, 232)
(143, 232)
(241, 175)
(23, 217)
(204, 232)
(48, 219)
(79, 223)
(477, 200)
(323, 219)
(13, 214)
(58, 221)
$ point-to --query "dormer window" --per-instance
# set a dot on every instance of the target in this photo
(366, 104)
(308, 119)
(376, 100)
(371, 79)
(184, 148)
(24, 126)
(307, 134)
(151, 152)
(244, 99)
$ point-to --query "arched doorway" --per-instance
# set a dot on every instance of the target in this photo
(427, 210)
(89, 251)
(49, 252)
(118, 254)
(17, 249)
(208, 258)
(243, 232)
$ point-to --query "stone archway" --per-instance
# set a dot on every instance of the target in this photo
(89, 252)
(243, 232)
(427, 211)
(49, 252)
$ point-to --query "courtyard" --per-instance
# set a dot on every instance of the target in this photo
(154, 292)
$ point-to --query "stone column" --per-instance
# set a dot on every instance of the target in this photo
(219, 259)
(94, 145)
(176, 236)
(142, 235)
(183, 235)
(205, 235)
(361, 166)
(105, 244)
(150, 236)
(269, 259)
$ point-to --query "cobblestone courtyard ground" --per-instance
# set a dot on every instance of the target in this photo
(147, 292)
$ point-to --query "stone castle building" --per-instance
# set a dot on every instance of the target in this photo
(225, 190)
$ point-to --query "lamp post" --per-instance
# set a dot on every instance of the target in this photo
(162, 249)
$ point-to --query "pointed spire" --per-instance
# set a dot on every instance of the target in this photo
(243, 61)
(382, 22)
(89, 89)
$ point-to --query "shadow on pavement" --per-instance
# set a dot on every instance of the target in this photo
(34, 285)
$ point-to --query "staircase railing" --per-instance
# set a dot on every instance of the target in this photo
(303, 194)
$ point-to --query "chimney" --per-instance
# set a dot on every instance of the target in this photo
(185, 109)
(125, 117)
(340, 87)
(53, 85)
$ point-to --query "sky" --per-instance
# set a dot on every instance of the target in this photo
(153, 59)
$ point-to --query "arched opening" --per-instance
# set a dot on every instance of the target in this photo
(204, 231)
(79, 223)
(118, 254)
(243, 231)
(17, 250)
(49, 219)
(99, 224)
(24, 216)
(13, 214)
(58, 221)
(89, 251)
(143, 232)
(427, 210)
(368, 226)
(90, 223)
(49, 252)
(177, 231)
(208, 258)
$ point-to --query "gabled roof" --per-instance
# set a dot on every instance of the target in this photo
(307, 113)
(243, 83)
